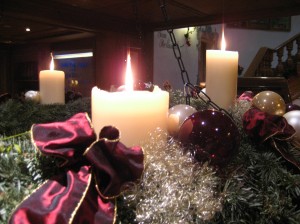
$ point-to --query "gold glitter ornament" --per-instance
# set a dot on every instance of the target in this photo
(269, 102)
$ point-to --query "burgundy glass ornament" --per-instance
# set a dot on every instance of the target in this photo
(143, 86)
(291, 106)
(213, 136)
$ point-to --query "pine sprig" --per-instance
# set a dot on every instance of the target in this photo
(262, 190)
(22, 169)
(17, 116)
(15, 179)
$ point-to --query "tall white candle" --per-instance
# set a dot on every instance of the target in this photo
(135, 113)
(52, 86)
(221, 76)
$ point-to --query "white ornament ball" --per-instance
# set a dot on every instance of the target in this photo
(202, 94)
(293, 118)
(177, 115)
(32, 95)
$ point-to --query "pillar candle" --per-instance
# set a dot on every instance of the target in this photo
(136, 114)
(52, 86)
(221, 76)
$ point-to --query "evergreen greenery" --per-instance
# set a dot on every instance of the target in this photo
(18, 116)
(259, 185)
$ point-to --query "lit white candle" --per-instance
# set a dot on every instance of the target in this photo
(52, 86)
(135, 113)
(222, 75)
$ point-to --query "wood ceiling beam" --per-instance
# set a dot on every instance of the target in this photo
(72, 17)
(53, 13)
(189, 9)
(227, 17)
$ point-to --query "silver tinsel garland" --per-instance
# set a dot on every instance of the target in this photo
(174, 188)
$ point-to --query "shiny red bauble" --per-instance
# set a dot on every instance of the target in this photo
(211, 135)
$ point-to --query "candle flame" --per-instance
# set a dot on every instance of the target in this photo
(223, 42)
(128, 76)
(52, 63)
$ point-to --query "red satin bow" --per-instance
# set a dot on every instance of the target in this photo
(95, 173)
(263, 127)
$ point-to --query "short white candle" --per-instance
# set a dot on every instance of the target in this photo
(135, 113)
(221, 76)
(52, 86)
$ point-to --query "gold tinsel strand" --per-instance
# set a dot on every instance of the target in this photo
(173, 188)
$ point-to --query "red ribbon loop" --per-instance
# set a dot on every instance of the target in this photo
(96, 172)
(272, 129)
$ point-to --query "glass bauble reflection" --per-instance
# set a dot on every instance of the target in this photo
(177, 115)
(293, 118)
(213, 135)
(32, 95)
(291, 106)
(269, 102)
(143, 86)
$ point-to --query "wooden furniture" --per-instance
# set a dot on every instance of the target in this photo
(207, 39)
(288, 70)
(26, 76)
(258, 84)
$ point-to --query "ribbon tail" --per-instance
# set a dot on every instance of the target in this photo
(284, 151)
(56, 201)
(95, 210)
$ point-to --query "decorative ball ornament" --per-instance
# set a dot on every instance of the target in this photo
(73, 83)
(212, 136)
(177, 115)
(269, 102)
(32, 95)
(291, 106)
(143, 86)
(293, 118)
(201, 93)
(296, 102)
